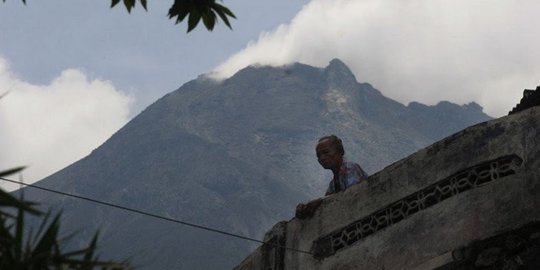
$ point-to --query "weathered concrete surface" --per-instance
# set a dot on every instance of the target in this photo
(418, 213)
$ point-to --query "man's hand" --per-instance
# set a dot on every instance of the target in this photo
(300, 211)
(307, 210)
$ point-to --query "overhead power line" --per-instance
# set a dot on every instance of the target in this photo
(201, 227)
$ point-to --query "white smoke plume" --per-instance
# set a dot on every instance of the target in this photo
(427, 51)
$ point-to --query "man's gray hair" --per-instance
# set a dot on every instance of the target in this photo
(336, 142)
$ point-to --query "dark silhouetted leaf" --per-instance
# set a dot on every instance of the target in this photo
(196, 9)
(114, 2)
(179, 10)
(11, 171)
(193, 20)
(48, 239)
(200, 9)
(41, 250)
(209, 19)
(129, 5)
(143, 3)
(223, 12)
(7, 200)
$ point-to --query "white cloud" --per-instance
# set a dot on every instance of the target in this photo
(48, 127)
(462, 50)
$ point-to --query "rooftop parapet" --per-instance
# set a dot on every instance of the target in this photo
(457, 203)
(530, 99)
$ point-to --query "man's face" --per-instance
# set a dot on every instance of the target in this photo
(328, 156)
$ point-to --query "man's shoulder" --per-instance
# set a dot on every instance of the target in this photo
(354, 167)
(350, 164)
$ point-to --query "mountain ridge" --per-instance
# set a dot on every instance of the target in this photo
(235, 155)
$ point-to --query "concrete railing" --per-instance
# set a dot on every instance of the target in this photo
(437, 208)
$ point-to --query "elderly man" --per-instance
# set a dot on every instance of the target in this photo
(330, 154)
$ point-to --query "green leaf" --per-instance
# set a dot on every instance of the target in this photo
(143, 3)
(48, 240)
(114, 2)
(129, 4)
(197, 10)
(7, 200)
(223, 12)
(21, 249)
(91, 248)
(180, 10)
(209, 19)
(42, 225)
(193, 20)
(11, 171)
(19, 227)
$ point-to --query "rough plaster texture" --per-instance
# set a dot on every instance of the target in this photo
(430, 237)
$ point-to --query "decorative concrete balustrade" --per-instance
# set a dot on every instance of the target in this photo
(470, 201)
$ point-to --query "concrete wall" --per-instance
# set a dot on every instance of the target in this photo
(425, 211)
(420, 212)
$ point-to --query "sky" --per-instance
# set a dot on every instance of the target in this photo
(76, 71)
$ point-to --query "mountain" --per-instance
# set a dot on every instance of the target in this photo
(236, 155)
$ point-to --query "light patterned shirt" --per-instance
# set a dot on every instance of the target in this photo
(349, 174)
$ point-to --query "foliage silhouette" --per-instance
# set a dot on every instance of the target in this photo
(207, 10)
(22, 249)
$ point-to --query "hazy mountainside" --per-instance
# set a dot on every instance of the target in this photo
(236, 155)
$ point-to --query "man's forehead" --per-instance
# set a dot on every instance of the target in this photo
(326, 143)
